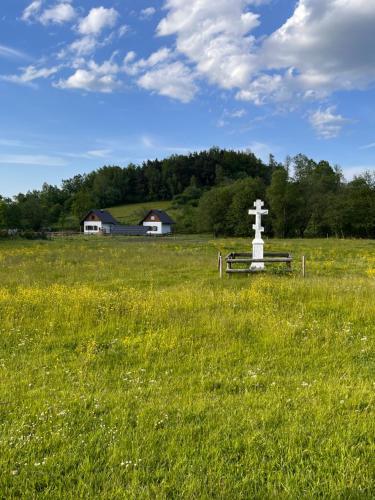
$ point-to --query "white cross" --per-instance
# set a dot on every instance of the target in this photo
(258, 212)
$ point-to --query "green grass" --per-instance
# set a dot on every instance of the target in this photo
(129, 370)
(133, 213)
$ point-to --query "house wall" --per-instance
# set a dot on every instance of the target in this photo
(154, 224)
(160, 227)
(92, 223)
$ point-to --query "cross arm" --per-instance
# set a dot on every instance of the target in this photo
(258, 212)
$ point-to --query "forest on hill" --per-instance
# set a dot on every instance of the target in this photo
(211, 191)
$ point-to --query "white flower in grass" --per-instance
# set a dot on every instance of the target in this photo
(127, 463)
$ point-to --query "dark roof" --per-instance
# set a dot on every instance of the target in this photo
(102, 215)
(130, 230)
(163, 216)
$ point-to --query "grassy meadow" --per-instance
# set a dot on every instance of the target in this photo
(130, 370)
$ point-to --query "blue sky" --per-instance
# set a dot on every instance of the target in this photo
(85, 83)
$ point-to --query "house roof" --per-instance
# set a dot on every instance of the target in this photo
(163, 216)
(130, 230)
(102, 215)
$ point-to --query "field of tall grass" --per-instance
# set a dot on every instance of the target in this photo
(130, 370)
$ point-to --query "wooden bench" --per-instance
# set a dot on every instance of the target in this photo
(247, 258)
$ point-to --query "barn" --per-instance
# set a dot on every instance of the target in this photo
(158, 223)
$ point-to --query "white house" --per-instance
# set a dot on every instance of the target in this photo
(158, 223)
(97, 222)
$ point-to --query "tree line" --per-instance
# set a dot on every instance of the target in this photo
(305, 198)
(211, 191)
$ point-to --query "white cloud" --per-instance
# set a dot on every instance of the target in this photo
(89, 155)
(322, 48)
(368, 146)
(11, 53)
(215, 37)
(30, 74)
(99, 153)
(83, 46)
(89, 75)
(325, 46)
(171, 79)
(60, 13)
(227, 116)
(39, 160)
(327, 123)
(310, 56)
(130, 57)
(268, 88)
(133, 67)
(88, 80)
(90, 29)
(239, 113)
(97, 20)
(106, 68)
(31, 10)
(147, 13)
(163, 74)
(94, 78)
(123, 30)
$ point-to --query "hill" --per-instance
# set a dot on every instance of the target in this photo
(132, 213)
(213, 191)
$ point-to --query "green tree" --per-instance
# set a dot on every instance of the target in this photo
(212, 210)
(359, 209)
(277, 196)
(30, 210)
(83, 201)
(244, 193)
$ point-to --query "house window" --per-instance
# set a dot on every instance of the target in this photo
(154, 228)
(152, 217)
